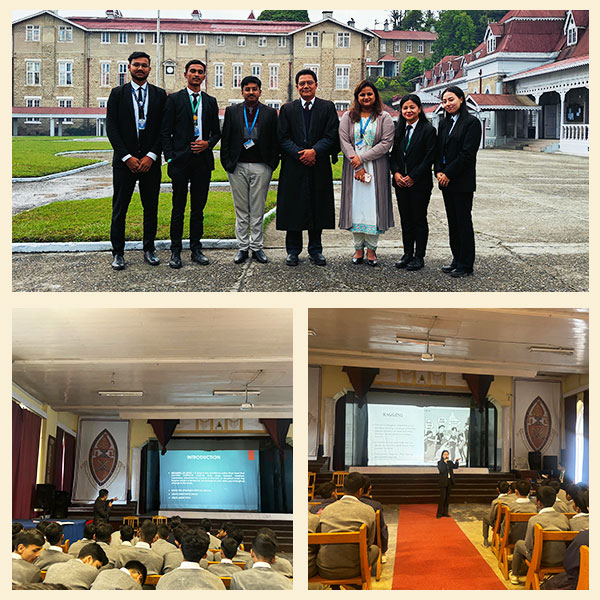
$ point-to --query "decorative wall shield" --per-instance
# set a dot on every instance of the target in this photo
(103, 457)
(537, 424)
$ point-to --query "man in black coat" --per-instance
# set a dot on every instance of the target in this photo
(102, 507)
(190, 131)
(133, 121)
(249, 154)
(445, 481)
(309, 140)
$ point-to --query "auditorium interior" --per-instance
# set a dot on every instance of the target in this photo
(506, 391)
(128, 399)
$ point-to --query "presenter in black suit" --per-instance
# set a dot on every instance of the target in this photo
(102, 507)
(411, 160)
(446, 481)
(190, 131)
(133, 121)
(459, 136)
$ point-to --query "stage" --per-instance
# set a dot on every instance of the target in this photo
(220, 516)
(72, 528)
(418, 470)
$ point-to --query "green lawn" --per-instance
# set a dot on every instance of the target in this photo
(89, 220)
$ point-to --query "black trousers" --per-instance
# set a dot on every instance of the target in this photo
(293, 242)
(412, 206)
(123, 185)
(197, 175)
(460, 227)
(444, 501)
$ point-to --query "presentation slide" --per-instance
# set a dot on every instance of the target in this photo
(416, 435)
(210, 480)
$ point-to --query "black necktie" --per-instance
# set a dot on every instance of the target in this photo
(140, 100)
(407, 137)
(307, 106)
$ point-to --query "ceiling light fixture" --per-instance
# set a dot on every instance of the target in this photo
(236, 392)
(428, 356)
(119, 394)
(552, 349)
(408, 340)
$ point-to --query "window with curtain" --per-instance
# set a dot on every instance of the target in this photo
(64, 460)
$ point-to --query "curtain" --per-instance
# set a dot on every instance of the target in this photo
(339, 439)
(164, 429)
(68, 462)
(276, 469)
(26, 441)
(57, 479)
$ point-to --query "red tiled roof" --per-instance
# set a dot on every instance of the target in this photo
(532, 14)
(388, 57)
(496, 28)
(553, 66)
(397, 34)
(530, 36)
(507, 100)
(582, 17)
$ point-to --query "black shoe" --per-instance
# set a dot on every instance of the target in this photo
(318, 259)
(199, 258)
(240, 257)
(403, 262)
(415, 264)
(438, 516)
(260, 256)
(357, 260)
(151, 258)
(449, 268)
(175, 262)
(291, 260)
(118, 263)
(372, 262)
(460, 272)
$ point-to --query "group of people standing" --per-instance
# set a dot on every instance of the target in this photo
(142, 121)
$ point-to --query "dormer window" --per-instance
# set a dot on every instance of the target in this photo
(491, 44)
(571, 34)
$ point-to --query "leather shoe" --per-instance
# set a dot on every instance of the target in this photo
(175, 262)
(415, 264)
(240, 257)
(199, 258)
(372, 262)
(459, 272)
(118, 263)
(318, 259)
(357, 260)
(403, 262)
(260, 256)
(449, 268)
(291, 260)
(151, 258)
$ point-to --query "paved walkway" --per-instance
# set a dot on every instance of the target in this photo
(531, 218)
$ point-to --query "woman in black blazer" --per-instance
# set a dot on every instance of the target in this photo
(410, 162)
(446, 481)
(459, 136)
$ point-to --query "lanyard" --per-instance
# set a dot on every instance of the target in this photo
(137, 100)
(363, 129)
(249, 129)
(195, 106)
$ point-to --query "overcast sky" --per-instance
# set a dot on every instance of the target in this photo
(363, 18)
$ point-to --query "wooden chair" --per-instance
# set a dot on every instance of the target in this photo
(43, 573)
(352, 537)
(378, 542)
(537, 571)
(506, 545)
(496, 531)
(133, 521)
(338, 480)
(159, 520)
(583, 583)
(65, 546)
(312, 477)
(152, 579)
(226, 581)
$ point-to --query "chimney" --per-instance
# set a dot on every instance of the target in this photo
(196, 15)
(113, 14)
(351, 23)
(328, 14)
(386, 25)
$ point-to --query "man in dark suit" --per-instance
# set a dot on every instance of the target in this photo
(249, 154)
(190, 131)
(102, 507)
(133, 120)
(308, 136)
(445, 481)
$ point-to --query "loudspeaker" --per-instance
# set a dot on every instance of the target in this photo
(62, 501)
(535, 460)
(550, 463)
(44, 496)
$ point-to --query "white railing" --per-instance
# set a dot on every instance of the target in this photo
(575, 132)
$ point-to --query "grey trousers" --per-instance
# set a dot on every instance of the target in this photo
(249, 186)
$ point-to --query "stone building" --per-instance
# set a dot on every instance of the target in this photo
(75, 62)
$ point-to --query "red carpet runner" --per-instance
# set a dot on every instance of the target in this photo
(434, 554)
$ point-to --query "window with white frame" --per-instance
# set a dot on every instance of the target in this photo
(396, 45)
(491, 43)
(342, 105)
(183, 39)
(282, 42)
(571, 34)
(32, 72)
(241, 41)
(312, 39)
(104, 73)
(105, 37)
(409, 46)
(276, 104)
(32, 33)
(33, 102)
(273, 77)
(396, 68)
(65, 72)
(262, 41)
(314, 69)
(421, 47)
(200, 39)
(256, 67)
(381, 45)
(237, 74)
(65, 33)
(102, 102)
(343, 39)
(342, 77)
(220, 39)
(154, 38)
(122, 73)
(64, 102)
(140, 37)
(219, 72)
(122, 38)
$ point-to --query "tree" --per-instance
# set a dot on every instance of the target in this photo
(380, 84)
(481, 18)
(396, 17)
(413, 20)
(284, 15)
(429, 20)
(456, 34)
(428, 63)
(411, 67)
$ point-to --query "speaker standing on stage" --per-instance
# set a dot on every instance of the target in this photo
(446, 481)
(102, 506)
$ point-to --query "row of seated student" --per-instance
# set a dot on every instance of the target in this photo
(104, 559)
(346, 514)
(549, 503)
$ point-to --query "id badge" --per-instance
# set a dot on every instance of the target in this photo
(141, 124)
(248, 144)
(196, 130)
(359, 144)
